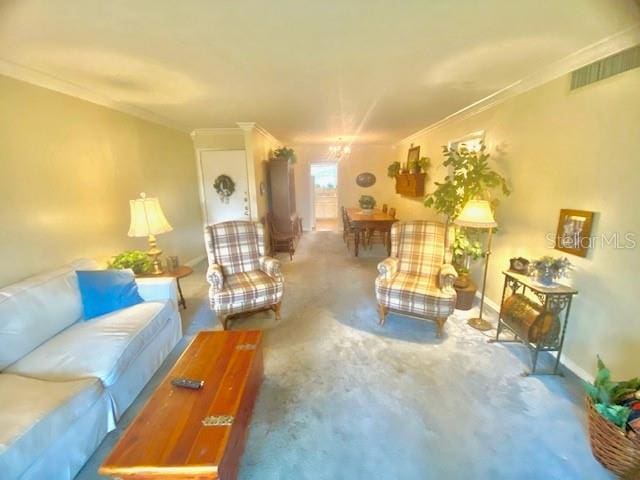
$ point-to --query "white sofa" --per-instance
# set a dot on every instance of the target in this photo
(65, 382)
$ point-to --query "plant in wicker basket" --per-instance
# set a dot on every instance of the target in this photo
(614, 423)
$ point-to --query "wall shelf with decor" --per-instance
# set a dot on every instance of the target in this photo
(411, 184)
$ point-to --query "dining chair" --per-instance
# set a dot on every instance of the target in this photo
(348, 233)
(278, 239)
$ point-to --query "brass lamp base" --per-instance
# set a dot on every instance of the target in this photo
(480, 324)
(154, 252)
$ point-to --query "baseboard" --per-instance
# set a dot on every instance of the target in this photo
(195, 261)
(565, 361)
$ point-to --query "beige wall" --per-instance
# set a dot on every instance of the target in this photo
(260, 146)
(364, 158)
(67, 171)
(562, 149)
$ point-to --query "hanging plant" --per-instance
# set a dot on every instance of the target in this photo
(225, 186)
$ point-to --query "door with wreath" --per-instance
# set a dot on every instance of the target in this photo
(224, 185)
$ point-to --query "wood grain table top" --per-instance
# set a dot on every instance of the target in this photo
(169, 436)
(357, 215)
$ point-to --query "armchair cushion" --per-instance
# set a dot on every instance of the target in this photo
(271, 267)
(416, 295)
(215, 276)
(388, 268)
(419, 246)
(246, 291)
(235, 246)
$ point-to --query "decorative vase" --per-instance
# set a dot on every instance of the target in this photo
(546, 278)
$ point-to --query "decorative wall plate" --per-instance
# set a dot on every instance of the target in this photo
(366, 179)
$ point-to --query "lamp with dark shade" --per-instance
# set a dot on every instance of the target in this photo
(478, 214)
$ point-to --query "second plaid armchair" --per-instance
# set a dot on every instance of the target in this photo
(415, 279)
(241, 277)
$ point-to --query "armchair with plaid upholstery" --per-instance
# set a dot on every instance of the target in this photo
(241, 277)
(417, 279)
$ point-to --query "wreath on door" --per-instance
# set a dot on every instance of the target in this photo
(225, 186)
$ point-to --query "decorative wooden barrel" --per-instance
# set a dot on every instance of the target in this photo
(530, 320)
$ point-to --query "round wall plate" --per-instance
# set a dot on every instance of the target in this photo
(366, 179)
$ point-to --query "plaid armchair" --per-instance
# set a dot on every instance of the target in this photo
(416, 280)
(241, 277)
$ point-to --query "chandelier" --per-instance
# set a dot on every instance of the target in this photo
(339, 152)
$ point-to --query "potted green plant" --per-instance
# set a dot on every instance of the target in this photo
(466, 247)
(420, 165)
(287, 153)
(393, 170)
(136, 260)
(614, 422)
(470, 177)
(367, 203)
(549, 269)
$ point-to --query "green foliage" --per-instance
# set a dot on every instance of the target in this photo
(287, 153)
(423, 163)
(136, 260)
(393, 170)
(466, 244)
(556, 267)
(367, 201)
(470, 177)
(605, 393)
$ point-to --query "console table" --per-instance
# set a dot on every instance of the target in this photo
(553, 302)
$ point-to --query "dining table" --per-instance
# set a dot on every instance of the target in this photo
(361, 221)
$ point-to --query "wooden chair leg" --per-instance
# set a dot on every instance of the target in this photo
(382, 311)
(276, 310)
(440, 324)
(223, 319)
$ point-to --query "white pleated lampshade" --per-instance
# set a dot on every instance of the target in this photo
(476, 214)
(147, 217)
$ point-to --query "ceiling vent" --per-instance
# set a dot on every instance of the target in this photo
(605, 68)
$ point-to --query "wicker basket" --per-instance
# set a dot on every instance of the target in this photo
(611, 447)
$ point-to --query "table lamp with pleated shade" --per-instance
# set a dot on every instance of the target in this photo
(148, 220)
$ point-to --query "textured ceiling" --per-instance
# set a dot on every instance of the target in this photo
(308, 71)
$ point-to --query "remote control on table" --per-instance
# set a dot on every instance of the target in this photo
(187, 383)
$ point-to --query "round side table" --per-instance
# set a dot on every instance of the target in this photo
(180, 272)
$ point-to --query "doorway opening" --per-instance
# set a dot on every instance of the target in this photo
(325, 195)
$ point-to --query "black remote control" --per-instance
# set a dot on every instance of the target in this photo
(187, 383)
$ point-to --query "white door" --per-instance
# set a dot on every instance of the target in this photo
(232, 163)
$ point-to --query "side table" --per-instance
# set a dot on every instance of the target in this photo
(553, 300)
(180, 272)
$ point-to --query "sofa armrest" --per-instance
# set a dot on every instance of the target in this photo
(446, 278)
(157, 288)
(388, 268)
(215, 277)
(271, 267)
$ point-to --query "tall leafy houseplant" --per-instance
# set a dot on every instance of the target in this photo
(285, 152)
(470, 176)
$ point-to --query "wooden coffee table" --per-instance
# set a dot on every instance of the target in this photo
(195, 434)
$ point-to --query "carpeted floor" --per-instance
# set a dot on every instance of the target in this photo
(344, 398)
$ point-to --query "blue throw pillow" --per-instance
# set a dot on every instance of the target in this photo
(105, 291)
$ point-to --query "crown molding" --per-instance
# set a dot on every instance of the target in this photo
(215, 131)
(44, 80)
(603, 48)
(251, 126)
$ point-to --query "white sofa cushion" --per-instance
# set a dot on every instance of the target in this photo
(102, 347)
(35, 309)
(35, 413)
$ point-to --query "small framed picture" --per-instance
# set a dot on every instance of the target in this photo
(413, 155)
(574, 231)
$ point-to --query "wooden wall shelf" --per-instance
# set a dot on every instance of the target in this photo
(411, 184)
